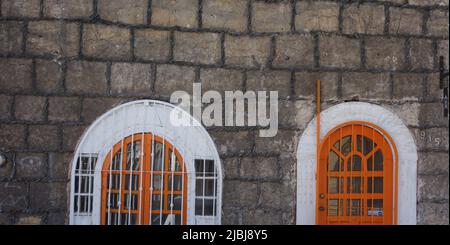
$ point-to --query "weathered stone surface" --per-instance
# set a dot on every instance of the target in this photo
(339, 51)
(431, 115)
(231, 167)
(409, 112)
(13, 196)
(123, 11)
(20, 8)
(221, 80)
(433, 90)
(7, 170)
(364, 85)
(64, 109)
(181, 13)
(86, 77)
(247, 51)
(408, 86)
(25, 219)
(129, 78)
(259, 168)
(295, 114)
(15, 74)
(284, 142)
(385, 53)
(170, 78)
(108, 42)
(58, 218)
(275, 196)
(363, 18)
(437, 24)
(247, 195)
(317, 16)
(95, 107)
(428, 2)
(59, 165)
(225, 14)
(49, 75)
(43, 137)
(294, 51)
(270, 81)
(30, 108)
(71, 136)
(405, 21)
(53, 38)
(12, 136)
(271, 17)
(305, 85)
(262, 217)
(152, 45)
(433, 187)
(31, 165)
(5, 106)
(433, 163)
(443, 51)
(5, 219)
(231, 216)
(48, 195)
(203, 48)
(422, 54)
(431, 139)
(233, 142)
(429, 213)
(68, 8)
(11, 37)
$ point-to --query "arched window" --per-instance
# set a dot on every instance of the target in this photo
(367, 168)
(135, 166)
(355, 177)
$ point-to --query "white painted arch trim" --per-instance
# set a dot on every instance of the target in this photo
(148, 116)
(357, 111)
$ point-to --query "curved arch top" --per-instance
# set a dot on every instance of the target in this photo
(339, 115)
(148, 116)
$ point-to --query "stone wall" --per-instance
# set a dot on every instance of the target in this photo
(65, 62)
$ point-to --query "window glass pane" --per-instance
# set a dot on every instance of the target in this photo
(377, 160)
(209, 207)
(130, 201)
(158, 157)
(353, 207)
(175, 203)
(177, 219)
(375, 207)
(116, 161)
(375, 185)
(113, 200)
(333, 185)
(364, 144)
(355, 185)
(132, 182)
(176, 183)
(199, 187)
(346, 145)
(199, 167)
(198, 206)
(209, 168)
(209, 187)
(333, 207)
(333, 162)
(157, 182)
(354, 163)
(133, 155)
(156, 202)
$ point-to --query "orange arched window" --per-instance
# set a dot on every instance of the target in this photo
(356, 176)
(144, 181)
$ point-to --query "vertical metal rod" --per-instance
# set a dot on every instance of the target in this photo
(80, 178)
(119, 203)
(172, 169)
(204, 183)
(129, 172)
(151, 176)
(318, 100)
(141, 175)
(109, 176)
(161, 186)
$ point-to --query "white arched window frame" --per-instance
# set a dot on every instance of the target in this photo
(357, 111)
(193, 142)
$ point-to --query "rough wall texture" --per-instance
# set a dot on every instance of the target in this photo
(65, 62)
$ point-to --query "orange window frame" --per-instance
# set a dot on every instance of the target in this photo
(389, 173)
(143, 213)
